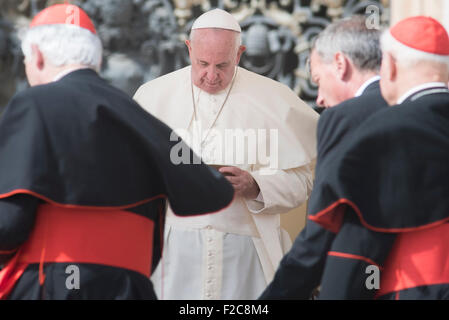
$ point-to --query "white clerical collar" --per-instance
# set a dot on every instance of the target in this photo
(416, 89)
(365, 85)
(66, 72)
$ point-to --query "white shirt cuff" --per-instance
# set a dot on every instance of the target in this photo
(259, 197)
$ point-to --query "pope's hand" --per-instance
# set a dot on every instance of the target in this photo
(243, 183)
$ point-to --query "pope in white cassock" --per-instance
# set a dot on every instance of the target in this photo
(261, 136)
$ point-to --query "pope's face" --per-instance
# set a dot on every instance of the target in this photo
(214, 55)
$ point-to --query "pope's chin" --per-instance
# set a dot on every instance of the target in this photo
(211, 88)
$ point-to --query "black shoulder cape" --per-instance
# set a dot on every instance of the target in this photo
(394, 173)
(81, 142)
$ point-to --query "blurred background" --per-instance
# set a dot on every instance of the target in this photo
(144, 39)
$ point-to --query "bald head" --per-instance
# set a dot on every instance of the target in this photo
(214, 54)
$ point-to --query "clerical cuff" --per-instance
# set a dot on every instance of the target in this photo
(256, 205)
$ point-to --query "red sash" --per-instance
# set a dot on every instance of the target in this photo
(418, 258)
(114, 238)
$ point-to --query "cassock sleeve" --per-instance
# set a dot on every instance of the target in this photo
(282, 191)
(300, 270)
(17, 216)
(355, 248)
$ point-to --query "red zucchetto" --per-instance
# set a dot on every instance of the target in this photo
(63, 14)
(422, 33)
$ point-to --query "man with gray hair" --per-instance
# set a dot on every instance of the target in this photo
(85, 173)
(345, 61)
(232, 117)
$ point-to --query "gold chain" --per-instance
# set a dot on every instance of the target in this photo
(218, 113)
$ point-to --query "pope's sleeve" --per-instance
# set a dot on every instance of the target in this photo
(282, 190)
(300, 270)
(17, 216)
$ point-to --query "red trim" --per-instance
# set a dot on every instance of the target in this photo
(353, 256)
(10, 274)
(115, 238)
(107, 208)
(333, 222)
(74, 206)
(330, 218)
(417, 258)
(4, 252)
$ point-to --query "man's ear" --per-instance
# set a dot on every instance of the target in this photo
(342, 65)
(391, 67)
(38, 57)
(239, 54)
(189, 45)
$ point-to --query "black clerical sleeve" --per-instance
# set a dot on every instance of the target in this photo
(354, 261)
(300, 270)
(17, 215)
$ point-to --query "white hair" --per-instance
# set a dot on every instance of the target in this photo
(64, 44)
(238, 37)
(406, 56)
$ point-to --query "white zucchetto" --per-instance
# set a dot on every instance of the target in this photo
(216, 18)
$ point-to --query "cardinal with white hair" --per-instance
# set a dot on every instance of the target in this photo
(85, 175)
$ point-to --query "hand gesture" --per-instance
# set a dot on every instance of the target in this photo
(243, 183)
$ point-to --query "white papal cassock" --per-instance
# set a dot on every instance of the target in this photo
(233, 254)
